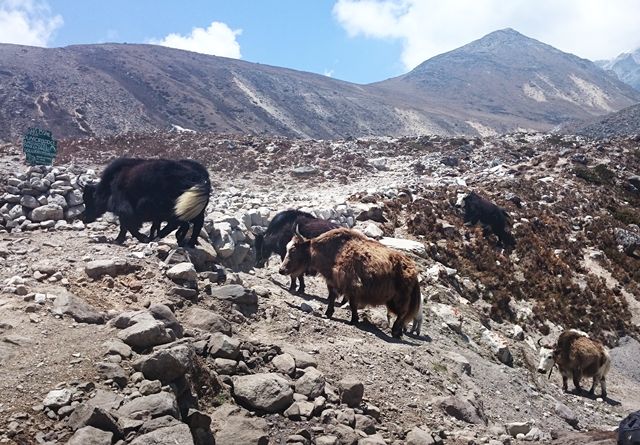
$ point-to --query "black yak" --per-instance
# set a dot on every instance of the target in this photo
(151, 190)
(478, 209)
(363, 270)
(279, 233)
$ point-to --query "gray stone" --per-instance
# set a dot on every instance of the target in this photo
(301, 410)
(223, 346)
(74, 212)
(405, 245)
(118, 347)
(29, 202)
(79, 310)
(463, 409)
(179, 434)
(145, 334)
(57, 398)
(311, 383)
(375, 439)
(206, 320)
(155, 405)
(565, 413)
(167, 364)
(225, 366)
(460, 362)
(498, 346)
(57, 200)
(284, 363)
(365, 423)
(346, 435)
(162, 313)
(90, 436)
(183, 273)
(303, 171)
(302, 359)
(267, 392)
(351, 392)
(148, 387)
(242, 430)
(418, 436)
(99, 268)
(157, 423)
(74, 198)
(114, 372)
(235, 293)
(86, 414)
(327, 440)
(46, 212)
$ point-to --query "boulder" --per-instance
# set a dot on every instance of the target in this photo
(235, 293)
(80, 311)
(86, 414)
(566, 414)
(47, 212)
(145, 334)
(166, 364)
(302, 359)
(419, 436)
(57, 398)
(267, 392)
(183, 273)
(179, 434)
(206, 320)
(351, 392)
(243, 430)
(405, 245)
(99, 268)
(301, 410)
(311, 383)
(223, 346)
(155, 405)
(90, 436)
(463, 409)
(113, 371)
(284, 363)
(498, 345)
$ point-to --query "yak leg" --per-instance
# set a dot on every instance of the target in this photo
(603, 387)
(592, 391)
(122, 235)
(301, 286)
(332, 301)
(170, 227)
(353, 304)
(292, 286)
(182, 232)
(565, 386)
(396, 330)
(198, 222)
(577, 376)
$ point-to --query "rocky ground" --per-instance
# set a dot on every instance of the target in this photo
(146, 344)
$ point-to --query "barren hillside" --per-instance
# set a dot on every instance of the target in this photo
(145, 344)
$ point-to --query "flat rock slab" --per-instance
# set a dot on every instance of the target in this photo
(171, 435)
(235, 293)
(155, 405)
(166, 365)
(79, 310)
(242, 430)
(99, 268)
(206, 320)
(90, 436)
(145, 334)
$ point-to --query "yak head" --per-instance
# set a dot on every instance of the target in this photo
(94, 207)
(298, 255)
(547, 357)
(461, 200)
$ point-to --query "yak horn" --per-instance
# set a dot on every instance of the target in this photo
(550, 371)
(297, 230)
(547, 346)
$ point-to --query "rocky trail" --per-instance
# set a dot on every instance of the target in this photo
(149, 344)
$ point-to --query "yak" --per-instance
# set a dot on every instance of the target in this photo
(576, 356)
(479, 209)
(151, 190)
(363, 270)
(279, 233)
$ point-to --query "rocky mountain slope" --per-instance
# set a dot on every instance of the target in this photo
(505, 80)
(626, 67)
(625, 122)
(143, 343)
(502, 82)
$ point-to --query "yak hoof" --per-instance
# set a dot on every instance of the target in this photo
(354, 321)
(329, 313)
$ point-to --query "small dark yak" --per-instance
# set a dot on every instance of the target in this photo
(478, 209)
(364, 271)
(279, 233)
(151, 190)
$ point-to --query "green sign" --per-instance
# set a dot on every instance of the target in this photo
(39, 147)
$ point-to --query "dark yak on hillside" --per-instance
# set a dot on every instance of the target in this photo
(151, 190)
(479, 209)
(279, 233)
(363, 270)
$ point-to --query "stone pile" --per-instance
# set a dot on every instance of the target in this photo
(42, 197)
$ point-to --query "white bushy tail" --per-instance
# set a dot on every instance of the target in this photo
(191, 202)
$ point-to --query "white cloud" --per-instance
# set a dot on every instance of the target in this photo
(594, 29)
(328, 72)
(27, 22)
(217, 40)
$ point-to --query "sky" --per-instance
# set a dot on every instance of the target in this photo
(358, 41)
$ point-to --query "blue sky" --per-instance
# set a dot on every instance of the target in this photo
(360, 41)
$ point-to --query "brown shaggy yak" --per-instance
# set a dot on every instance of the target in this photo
(366, 272)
